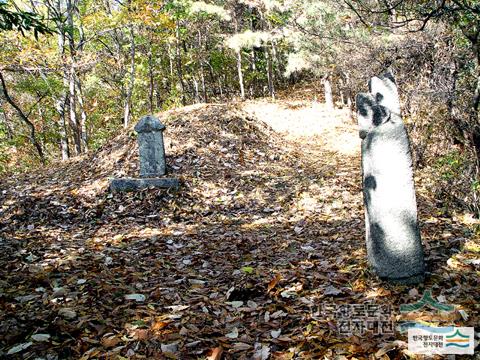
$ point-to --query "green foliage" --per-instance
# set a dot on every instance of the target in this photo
(187, 51)
(21, 20)
(450, 165)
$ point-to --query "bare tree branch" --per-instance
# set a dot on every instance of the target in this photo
(24, 118)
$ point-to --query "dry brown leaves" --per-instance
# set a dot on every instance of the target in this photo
(233, 265)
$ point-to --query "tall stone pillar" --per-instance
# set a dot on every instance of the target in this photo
(394, 246)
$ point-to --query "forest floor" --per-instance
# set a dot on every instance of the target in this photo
(247, 260)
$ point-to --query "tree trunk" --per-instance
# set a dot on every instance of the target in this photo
(128, 96)
(151, 79)
(73, 113)
(276, 58)
(179, 64)
(328, 93)
(195, 88)
(204, 87)
(220, 87)
(271, 88)
(61, 102)
(158, 95)
(76, 129)
(170, 60)
(240, 74)
(5, 122)
(32, 136)
(83, 115)
(201, 62)
(62, 128)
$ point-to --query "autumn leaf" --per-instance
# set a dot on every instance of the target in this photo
(273, 282)
(216, 354)
(110, 341)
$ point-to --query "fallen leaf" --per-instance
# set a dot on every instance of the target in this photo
(413, 293)
(67, 313)
(275, 333)
(141, 334)
(196, 282)
(239, 346)
(331, 290)
(110, 341)
(298, 230)
(18, 348)
(262, 353)
(136, 297)
(397, 344)
(236, 304)
(233, 334)
(247, 269)
(159, 325)
(273, 282)
(41, 337)
(216, 354)
(169, 348)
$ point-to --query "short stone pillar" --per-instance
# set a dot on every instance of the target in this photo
(150, 147)
(152, 159)
(394, 246)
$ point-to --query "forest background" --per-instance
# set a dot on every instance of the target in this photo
(75, 72)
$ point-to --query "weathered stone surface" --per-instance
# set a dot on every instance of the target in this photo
(150, 146)
(393, 238)
(131, 184)
(152, 159)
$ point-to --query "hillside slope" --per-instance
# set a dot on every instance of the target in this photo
(266, 227)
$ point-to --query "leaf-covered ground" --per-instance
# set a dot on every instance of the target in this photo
(264, 234)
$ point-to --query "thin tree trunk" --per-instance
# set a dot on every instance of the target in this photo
(128, 97)
(220, 87)
(341, 86)
(179, 64)
(62, 126)
(328, 93)
(170, 60)
(74, 123)
(62, 100)
(151, 79)
(73, 114)
(195, 87)
(240, 74)
(32, 136)
(83, 115)
(276, 58)
(78, 83)
(204, 87)
(201, 63)
(5, 122)
(476, 96)
(239, 64)
(158, 95)
(271, 88)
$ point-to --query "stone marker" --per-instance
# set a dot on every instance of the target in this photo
(393, 239)
(152, 159)
(150, 146)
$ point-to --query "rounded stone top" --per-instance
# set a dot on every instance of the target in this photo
(149, 123)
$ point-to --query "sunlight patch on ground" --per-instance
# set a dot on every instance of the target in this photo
(297, 119)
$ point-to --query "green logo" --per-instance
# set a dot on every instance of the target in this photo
(458, 340)
(426, 300)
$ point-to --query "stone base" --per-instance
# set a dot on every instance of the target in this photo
(412, 280)
(136, 184)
